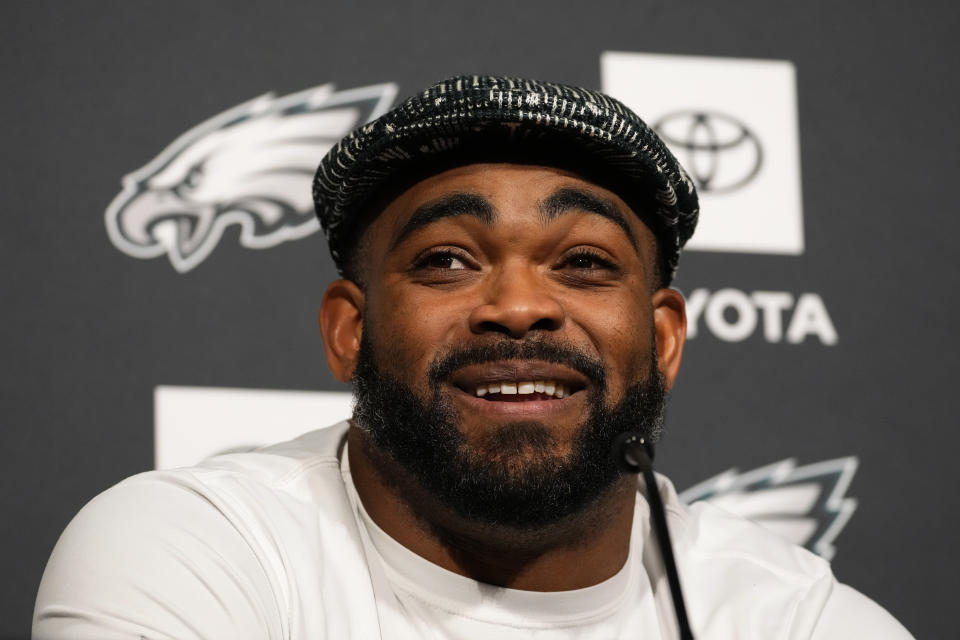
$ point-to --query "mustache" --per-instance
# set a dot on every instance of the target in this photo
(464, 355)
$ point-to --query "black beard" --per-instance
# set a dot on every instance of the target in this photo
(510, 480)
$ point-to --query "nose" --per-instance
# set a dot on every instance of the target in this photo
(517, 301)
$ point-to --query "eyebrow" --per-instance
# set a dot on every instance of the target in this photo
(562, 201)
(454, 204)
(570, 199)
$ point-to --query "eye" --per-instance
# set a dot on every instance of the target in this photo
(587, 267)
(441, 260)
(190, 181)
(584, 259)
(193, 178)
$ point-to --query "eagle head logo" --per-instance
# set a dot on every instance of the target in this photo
(251, 166)
(808, 505)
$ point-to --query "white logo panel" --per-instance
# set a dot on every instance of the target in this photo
(732, 123)
(193, 423)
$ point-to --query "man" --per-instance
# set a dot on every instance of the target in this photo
(506, 247)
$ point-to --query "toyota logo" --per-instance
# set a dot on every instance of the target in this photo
(718, 151)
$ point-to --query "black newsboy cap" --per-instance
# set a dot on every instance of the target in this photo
(469, 119)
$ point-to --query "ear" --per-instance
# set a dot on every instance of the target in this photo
(670, 327)
(341, 324)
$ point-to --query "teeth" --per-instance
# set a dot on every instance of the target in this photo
(525, 387)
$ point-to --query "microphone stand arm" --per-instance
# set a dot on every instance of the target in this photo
(634, 455)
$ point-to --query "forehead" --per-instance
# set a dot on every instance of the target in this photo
(510, 190)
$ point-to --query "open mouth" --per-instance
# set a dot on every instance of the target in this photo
(519, 381)
(522, 391)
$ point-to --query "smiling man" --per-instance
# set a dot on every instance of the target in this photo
(504, 315)
(504, 335)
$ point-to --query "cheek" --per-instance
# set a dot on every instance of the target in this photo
(621, 330)
(409, 329)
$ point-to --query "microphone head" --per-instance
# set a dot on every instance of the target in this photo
(631, 452)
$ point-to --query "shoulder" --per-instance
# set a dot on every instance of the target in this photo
(741, 575)
(850, 614)
(710, 537)
(192, 552)
(154, 553)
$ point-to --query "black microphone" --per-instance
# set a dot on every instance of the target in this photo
(634, 455)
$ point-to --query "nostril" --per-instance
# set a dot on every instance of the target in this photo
(518, 331)
(545, 324)
(494, 327)
(514, 316)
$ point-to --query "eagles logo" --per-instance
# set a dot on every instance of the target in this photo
(250, 166)
(806, 505)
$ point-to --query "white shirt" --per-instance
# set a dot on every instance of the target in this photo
(275, 544)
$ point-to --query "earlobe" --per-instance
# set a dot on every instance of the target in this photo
(341, 324)
(670, 328)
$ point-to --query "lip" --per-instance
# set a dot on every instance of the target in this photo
(468, 378)
(527, 410)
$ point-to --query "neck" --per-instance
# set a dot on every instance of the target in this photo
(581, 550)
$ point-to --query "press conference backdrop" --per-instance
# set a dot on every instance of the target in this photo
(163, 271)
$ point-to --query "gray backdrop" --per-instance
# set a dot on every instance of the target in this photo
(94, 90)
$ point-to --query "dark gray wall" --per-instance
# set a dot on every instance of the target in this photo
(94, 90)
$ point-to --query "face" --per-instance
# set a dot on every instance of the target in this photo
(508, 331)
